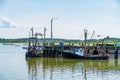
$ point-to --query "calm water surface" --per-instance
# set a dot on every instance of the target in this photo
(14, 66)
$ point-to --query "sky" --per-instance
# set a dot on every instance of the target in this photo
(17, 17)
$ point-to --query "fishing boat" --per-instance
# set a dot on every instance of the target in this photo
(80, 54)
(34, 47)
(96, 54)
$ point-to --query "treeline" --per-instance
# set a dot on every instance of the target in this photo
(20, 40)
(25, 40)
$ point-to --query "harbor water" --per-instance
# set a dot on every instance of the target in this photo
(14, 66)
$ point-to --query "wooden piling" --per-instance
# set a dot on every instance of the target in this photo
(116, 53)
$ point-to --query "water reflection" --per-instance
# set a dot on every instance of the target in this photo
(63, 69)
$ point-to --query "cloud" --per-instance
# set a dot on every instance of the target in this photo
(6, 23)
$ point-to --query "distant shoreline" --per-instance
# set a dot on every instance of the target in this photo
(26, 40)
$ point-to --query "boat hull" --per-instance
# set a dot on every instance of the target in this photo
(29, 54)
(75, 56)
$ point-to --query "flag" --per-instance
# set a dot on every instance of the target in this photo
(32, 29)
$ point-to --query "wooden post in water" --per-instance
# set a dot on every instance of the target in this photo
(116, 53)
(44, 40)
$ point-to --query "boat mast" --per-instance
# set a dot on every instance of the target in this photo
(44, 33)
(32, 32)
(85, 36)
(91, 37)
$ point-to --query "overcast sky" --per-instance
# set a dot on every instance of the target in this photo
(101, 16)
